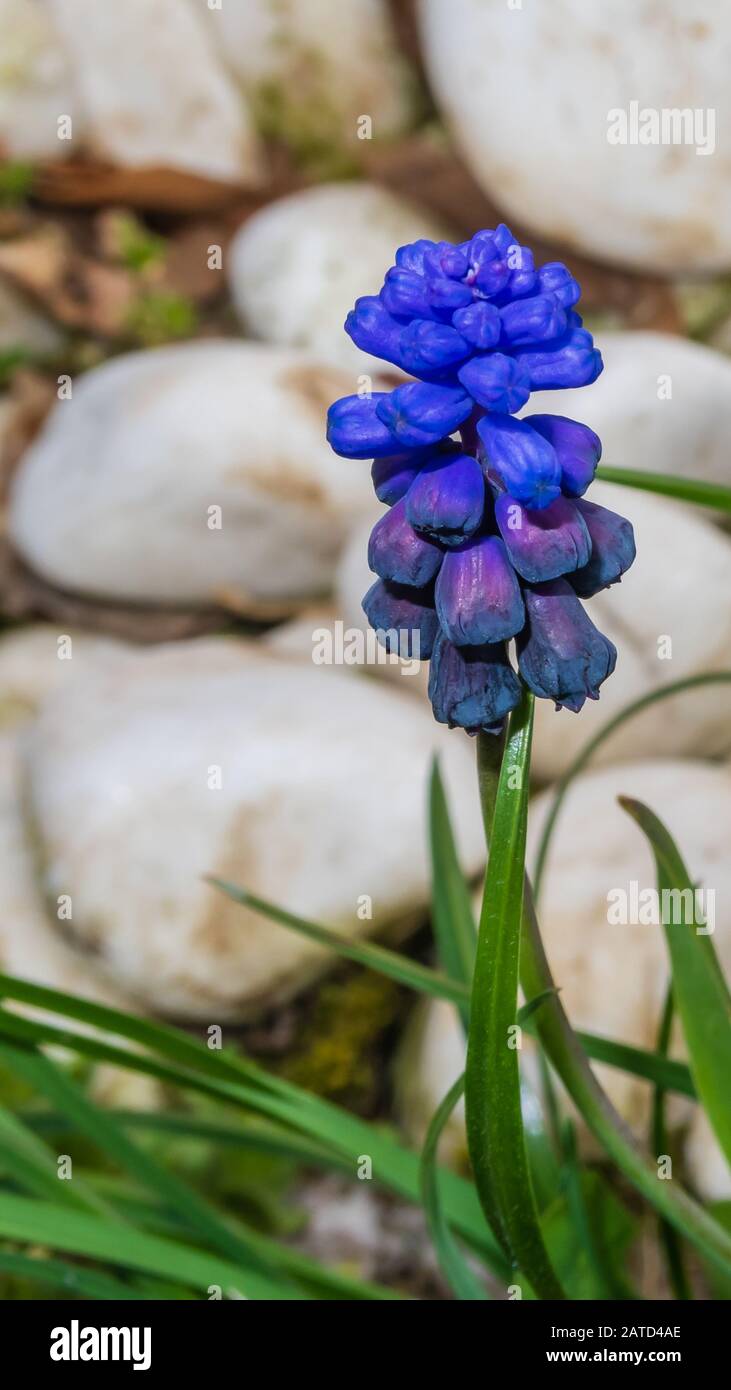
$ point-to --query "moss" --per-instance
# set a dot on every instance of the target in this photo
(134, 245)
(337, 1053)
(310, 129)
(16, 181)
(160, 317)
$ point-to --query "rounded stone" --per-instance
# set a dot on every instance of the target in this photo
(300, 783)
(192, 475)
(541, 101)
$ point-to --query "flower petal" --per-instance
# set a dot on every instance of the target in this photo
(578, 449)
(447, 499)
(612, 549)
(471, 687)
(479, 323)
(374, 330)
(478, 595)
(404, 294)
(543, 544)
(496, 381)
(419, 413)
(532, 320)
(522, 461)
(555, 278)
(562, 656)
(393, 475)
(571, 360)
(411, 256)
(425, 346)
(355, 430)
(398, 554)
(404, 619)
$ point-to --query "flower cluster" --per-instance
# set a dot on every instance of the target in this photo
(487, 537)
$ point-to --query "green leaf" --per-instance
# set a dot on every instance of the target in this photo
(73, 1281)
(699, 989)
(492, 1077)
(452, 919)
(230, 1078)
(456, 1271)
(686, 489)
(589, 1232)
(27, 1160)
(45, 1223)
(380, 958)
(585, 755)
(325, 1282)
(257, 1135)
(659, 1145)
(98, 1125)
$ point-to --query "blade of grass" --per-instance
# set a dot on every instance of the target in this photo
(492, 1076)
(608, 1285)
(394, 1166)
(97, 1124)
(452, 920)
(686, 489)
(455, 1269)
(590, 748)
(699, 989)
(74, 1281)
(256, 1135)
(650, 1066)
(29, 1162)
(380, 958)
(659, 1145)
(147, 1209)
(45, 1223)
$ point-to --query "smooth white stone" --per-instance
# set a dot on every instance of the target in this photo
(36, 83)
(113, 499)
(298, 265)
(321, 806)
(312, 69)
(39, 658)
(527, 91)
(152, 90)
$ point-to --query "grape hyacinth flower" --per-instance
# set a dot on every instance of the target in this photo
(487, 537)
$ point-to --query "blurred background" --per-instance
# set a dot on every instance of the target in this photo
(192, 195)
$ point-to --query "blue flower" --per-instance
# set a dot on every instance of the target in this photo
(397, 553)
(561, 654)
(478, 595)
(446, 500)
(543, 544)
(488, 535)
(471, 687)
(520, 459)
(403, 619)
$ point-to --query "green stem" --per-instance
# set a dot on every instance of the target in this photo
(570, 1062)
(492, 1075)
